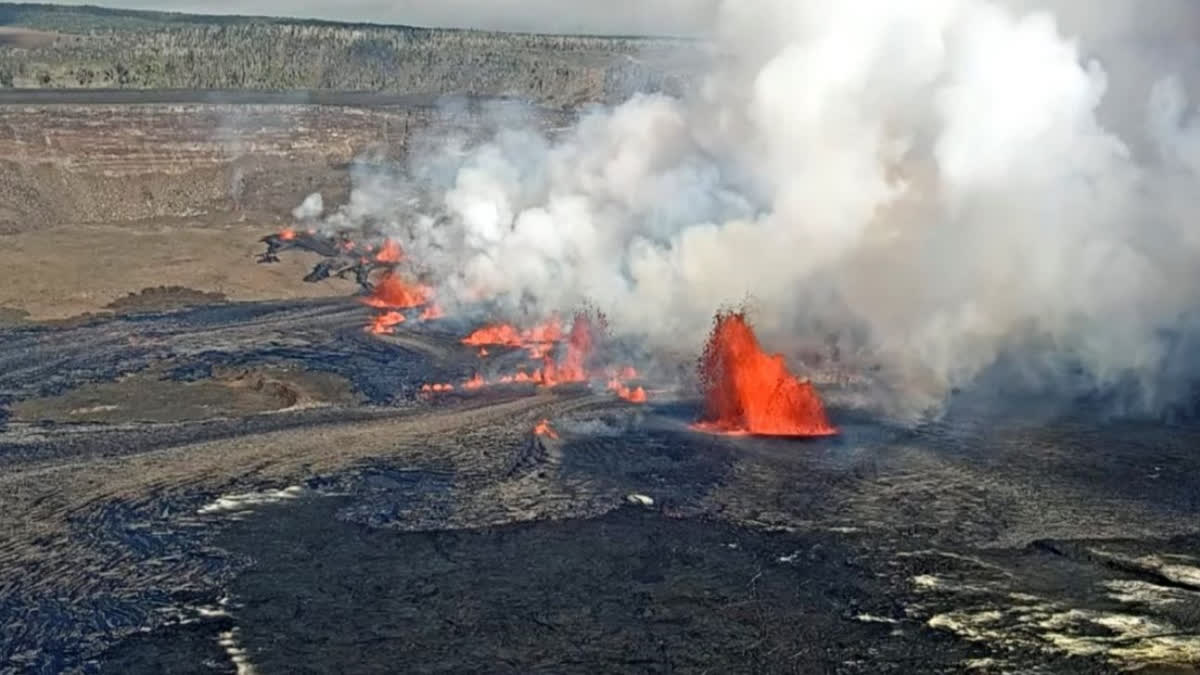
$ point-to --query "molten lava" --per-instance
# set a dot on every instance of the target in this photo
(287, 234)
(383, 323)
(393, 292)
(543, 429)
(432, 311)
(538, 341)
(617, 385)
(550, 331)
(389, 252)
(494, 334)
(747, 390)
(635, 395)
(579, 348)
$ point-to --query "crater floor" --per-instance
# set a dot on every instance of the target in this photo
(260, 487)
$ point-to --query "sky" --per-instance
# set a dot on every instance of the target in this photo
(624, 17)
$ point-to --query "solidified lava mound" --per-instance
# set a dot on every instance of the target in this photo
(747, 390)
(164, 298)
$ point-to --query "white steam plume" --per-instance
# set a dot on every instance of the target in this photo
(932, 177)
(310, 209)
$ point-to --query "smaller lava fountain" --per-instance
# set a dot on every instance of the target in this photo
(543, 428)
(392, 292)
(749, 391)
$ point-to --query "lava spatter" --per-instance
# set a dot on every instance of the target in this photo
(392, 292)
(747, 390)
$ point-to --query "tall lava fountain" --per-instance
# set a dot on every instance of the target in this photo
(749, 391)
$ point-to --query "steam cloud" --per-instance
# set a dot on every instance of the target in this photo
(942, 184)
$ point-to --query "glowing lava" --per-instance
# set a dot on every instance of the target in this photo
(287, 234)
(389, 252)
(393, 292)
(432, 311)
(749, 391)
(494, 334)
(538, 341)
(384, 322)
(543, 429)
(634, 395)
(579, 348)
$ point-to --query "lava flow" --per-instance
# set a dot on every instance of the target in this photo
(538, 341)
(749, 391)
(560, 357)
(384, 322)
(393, 292)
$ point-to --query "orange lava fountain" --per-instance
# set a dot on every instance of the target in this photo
(393, 292)
(749, 391)
(389, 252)
(579, 348)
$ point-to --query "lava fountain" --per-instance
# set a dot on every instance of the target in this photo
(749, 391)
(392, 292)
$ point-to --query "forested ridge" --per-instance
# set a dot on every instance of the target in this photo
(70, 47)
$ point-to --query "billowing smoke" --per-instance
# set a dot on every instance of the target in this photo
(934, 183)
(310, 209)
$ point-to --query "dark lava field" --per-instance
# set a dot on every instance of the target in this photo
(260, 487)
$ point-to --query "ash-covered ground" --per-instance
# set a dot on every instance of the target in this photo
(261, 487)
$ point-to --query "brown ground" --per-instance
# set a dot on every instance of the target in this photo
(99, 201)
(68, 270)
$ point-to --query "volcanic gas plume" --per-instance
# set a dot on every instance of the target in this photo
(939, 184)
(747, 390)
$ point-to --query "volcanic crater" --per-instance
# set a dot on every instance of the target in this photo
(251, 471)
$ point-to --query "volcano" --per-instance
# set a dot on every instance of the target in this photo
(747, 390)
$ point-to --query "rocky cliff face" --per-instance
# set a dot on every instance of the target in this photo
(114, 163)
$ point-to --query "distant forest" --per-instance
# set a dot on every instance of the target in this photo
(43, 46)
